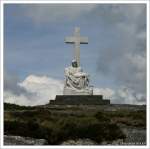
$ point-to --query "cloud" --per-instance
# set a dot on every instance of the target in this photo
(106, 92)
(42, 86)
(21, 99)
(40, 89)
(125, 95)
(11, 84)
(125, 60)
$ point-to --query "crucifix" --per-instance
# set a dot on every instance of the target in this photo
(77, 40)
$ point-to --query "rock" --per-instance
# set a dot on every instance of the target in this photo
(18, 140)
(115, 142)
(134, 136)
(79, 142)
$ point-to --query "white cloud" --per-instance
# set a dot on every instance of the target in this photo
(42, 85)
(126, 95)
(123, 95)
(10, 97)
(40, 89)
(106, 92)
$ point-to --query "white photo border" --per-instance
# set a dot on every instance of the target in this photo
(3, 2)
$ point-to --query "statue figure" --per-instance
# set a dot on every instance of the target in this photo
(75, 77)
(76, 80)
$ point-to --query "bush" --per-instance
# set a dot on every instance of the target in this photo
(141, 114)
(12, 107)
(97, 131)
(65, 129)
(58, 126)
(29, 129)
(102, 117)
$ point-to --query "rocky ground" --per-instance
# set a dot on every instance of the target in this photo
(18, 140)
(134, 136)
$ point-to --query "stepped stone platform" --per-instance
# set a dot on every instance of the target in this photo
(79, 100)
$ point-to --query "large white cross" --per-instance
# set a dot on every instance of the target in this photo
(77, 40)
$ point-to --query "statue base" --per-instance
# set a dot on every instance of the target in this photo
(79, 100)
(70, 91)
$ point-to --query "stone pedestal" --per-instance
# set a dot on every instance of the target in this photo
(70, 91)
(79, 100)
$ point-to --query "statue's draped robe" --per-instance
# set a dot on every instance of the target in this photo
(75, 78)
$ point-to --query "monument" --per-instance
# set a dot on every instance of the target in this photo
(77, 89)
(77, 81)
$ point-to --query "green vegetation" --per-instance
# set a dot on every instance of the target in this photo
(8, 106)
(58, 124)
(129, 118)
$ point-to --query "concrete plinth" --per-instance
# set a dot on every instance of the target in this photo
(70, 91)
(79, 100)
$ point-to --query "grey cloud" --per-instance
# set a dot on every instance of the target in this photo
(123, 61)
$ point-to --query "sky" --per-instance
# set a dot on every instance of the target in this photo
(35, 54)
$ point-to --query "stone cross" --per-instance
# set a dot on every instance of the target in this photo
(77, 40)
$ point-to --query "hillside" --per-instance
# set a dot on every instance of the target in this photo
(102, 124)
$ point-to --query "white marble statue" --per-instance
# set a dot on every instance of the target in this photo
(77, 81)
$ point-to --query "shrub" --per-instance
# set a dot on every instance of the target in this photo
(66, 128)
(102, 117)
(9, 106)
